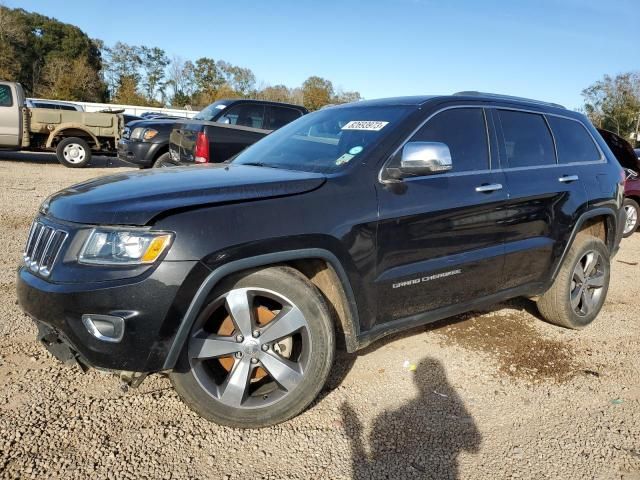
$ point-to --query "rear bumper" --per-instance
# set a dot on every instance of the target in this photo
(152, 307)
(141, 154)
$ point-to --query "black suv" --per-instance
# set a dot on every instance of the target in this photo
(348, 224)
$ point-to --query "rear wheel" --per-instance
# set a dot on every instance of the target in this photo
(73, 152)
(580, 289)
(631, 211)
(259, 352)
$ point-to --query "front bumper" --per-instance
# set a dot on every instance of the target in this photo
(141, 154)
(152, 304)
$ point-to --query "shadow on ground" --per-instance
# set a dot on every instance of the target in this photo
(44, 158)
(421, 439)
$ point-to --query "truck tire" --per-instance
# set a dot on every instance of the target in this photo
(73, 152)
(259, 352)
(580, 289)
(164, 160)
(632, 212)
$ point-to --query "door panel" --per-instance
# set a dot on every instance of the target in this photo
(544, 196)
(9, 117)
(440, 242)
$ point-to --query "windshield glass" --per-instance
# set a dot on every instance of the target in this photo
(326, 140)
(210, 111)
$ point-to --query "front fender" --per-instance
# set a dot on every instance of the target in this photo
(226, 269)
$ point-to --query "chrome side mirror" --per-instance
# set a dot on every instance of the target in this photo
(424, 158)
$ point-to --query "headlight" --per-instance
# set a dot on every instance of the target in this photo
(142, 133)
(123, 247)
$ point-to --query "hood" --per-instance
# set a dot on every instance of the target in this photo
(135, 198)
(623, 151)
(157, 123)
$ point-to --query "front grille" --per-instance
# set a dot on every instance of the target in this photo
(43, 246)
(126, 132)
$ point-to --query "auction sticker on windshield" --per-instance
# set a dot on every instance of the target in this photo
(370, 125)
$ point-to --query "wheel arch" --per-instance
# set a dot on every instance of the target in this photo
(302, 260)
(71, 130)
(588, 220)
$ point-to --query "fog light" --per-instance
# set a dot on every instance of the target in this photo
(107, 328)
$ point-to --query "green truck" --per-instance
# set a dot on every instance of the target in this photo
(73, 135)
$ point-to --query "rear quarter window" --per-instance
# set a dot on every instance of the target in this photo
(6, 99)
(573, 142)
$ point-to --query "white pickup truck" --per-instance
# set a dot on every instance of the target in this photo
(73, 135)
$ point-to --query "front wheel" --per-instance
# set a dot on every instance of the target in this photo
(259, 352)
(163, 161)
(631, 210)
(580, 289)
(73, 152)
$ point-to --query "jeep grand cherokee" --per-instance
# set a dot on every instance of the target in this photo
(349, 223)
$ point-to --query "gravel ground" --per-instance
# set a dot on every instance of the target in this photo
(494, 394)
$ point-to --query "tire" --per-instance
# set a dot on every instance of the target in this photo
(163, 161)
(632, 210)
(580, 289)
(73, 152)
(242, 392)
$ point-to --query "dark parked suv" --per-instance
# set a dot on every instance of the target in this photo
(348, 224)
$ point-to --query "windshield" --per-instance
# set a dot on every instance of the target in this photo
(210, 111)
(326, 140)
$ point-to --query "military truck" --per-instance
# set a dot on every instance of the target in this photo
(73, 135)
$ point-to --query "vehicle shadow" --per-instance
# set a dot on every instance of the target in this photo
(421, 439)
(45, 158)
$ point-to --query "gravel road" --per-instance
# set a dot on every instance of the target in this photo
(493, 394)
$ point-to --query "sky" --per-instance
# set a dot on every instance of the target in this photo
(544, 49)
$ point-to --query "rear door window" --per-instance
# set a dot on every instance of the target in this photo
(246, 115)
(573, 142)
(527, 140)
(464, 131)
(6, 99)
(280, 116)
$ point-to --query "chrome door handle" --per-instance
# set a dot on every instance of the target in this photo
(568, 178)
(492, 187)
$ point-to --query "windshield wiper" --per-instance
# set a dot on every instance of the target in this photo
(258, 164)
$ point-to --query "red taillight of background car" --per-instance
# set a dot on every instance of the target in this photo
(201, 153)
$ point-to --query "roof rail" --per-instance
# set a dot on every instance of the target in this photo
(498, 96)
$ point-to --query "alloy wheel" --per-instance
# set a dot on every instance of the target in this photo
(631, 218)
(587, 283)
(250, 348)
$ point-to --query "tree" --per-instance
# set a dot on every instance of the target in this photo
(29, 41)
(242, 80)
(182, 82)
(121, 60)
(613, 103)
(206, 75)
(127, 92)
(154, 62)
(346, 97)
(12, 40)
(64, 79)
(317, 92)
(277, 93)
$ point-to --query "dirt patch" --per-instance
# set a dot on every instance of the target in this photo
(15, 221)
(511, 338)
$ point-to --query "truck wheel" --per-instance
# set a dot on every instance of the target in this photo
(164, 160)
(73, 152)
(580, 289)
(631, 211)
(259, 352)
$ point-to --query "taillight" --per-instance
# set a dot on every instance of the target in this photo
(201, 153)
